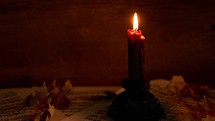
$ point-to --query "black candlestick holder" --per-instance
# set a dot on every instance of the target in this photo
(136, 103)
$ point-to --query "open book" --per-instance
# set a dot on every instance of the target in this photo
(92, 103)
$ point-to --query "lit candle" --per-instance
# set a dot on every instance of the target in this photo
(136, 102)
(135, 52)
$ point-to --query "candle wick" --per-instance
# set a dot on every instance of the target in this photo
(136, 29)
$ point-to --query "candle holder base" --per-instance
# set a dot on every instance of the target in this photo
(135, 104)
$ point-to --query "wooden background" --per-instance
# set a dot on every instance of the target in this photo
(86, 41)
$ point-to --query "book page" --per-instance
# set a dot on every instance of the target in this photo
(11, 106)
(12, 102)
(96, 112)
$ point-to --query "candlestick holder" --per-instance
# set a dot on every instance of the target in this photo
(136, 103)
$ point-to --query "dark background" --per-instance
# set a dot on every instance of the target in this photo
(86, 41)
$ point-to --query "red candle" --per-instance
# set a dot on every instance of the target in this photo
(135, 52)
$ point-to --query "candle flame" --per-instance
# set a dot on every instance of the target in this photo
(135, 22)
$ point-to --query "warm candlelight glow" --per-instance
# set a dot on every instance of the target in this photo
(135, 22)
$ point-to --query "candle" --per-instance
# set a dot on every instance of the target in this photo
(135, 52)
(136, 102)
